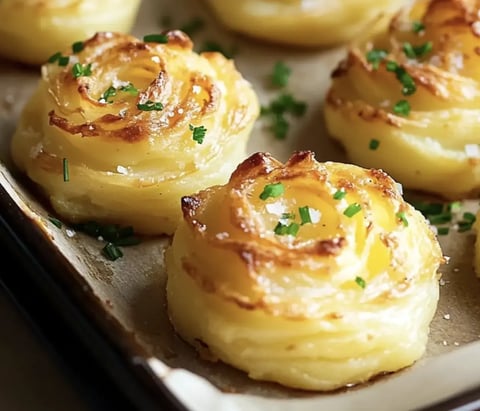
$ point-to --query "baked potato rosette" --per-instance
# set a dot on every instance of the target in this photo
(408, 100)
(313, 275)
(304, 23)
(139, 124)
(32, 30)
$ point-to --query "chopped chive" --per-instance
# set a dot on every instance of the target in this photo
(375, 56)
(155, 38)
(109, 232)
(55, 221)
(428, 209)
(81, 71)
(402, 108)
(402, 217)
(63, 61)
(352, 209)
(443, 230)
(54, 57)
(283, 229)
(276, 110)
(272, 190)
(112, 252)
(418, 26)
(198, 133)
(360, 282)
(373, 145)
(455, 206)
(66, 171)
(464, 226)
(339, 194)
(77, 47)
(469, 217)
(109, 92)
(130, 89)
(305, 214)
(441, 218)
(280, 126)
(413, 52)
(287, 216)
(281, 74)
(150, 105)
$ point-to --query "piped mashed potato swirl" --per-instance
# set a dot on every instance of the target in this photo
(304, 22)
(32, 30)
(139, 123)
(415, 89)
(313, 275)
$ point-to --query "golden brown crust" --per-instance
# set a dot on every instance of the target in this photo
(441, 92)
(140, 102)
(348, 293)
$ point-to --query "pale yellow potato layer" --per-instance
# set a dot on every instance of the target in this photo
(348, 297)
(435, 147)
(127, 164)
(304, 22)
(33, 30)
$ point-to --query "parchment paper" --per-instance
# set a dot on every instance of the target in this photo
(131, 289)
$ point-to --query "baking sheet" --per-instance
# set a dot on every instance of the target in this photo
(131, 289)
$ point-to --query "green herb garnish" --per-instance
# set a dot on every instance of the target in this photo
(403, 77)
(402, 217)
(81, 71)
(66, 171)
(360, 282)
(150, 105)
(284, 104)
(443, 230)
(63, 61)
(198, 133)
(155, 38)
(402, 108)
(281, 74)
(352, 209)
(373, 145)
(54, 57)
(109, 92)
(417, 51)
(339, 194)
(305, 214)
(130, 89)
(418, 26)
(55, 221)
(77, 47)
(283, 229)
(112, 252)
(272, 191)
(375, 56)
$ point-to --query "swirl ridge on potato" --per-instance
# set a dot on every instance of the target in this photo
(140, 123)
(32, 30)
(313, 275)
(407, 100)
(304, 22)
